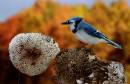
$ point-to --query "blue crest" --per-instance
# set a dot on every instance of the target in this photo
(77, 18)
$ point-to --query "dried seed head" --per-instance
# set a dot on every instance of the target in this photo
(31, 53)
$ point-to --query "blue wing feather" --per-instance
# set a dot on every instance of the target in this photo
(93, 32)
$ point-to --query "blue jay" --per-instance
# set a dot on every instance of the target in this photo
(86, 33)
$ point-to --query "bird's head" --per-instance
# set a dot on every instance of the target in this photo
(73, 22)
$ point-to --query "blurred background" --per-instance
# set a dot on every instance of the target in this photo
(111, 17)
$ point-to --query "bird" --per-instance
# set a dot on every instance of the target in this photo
(87, 33)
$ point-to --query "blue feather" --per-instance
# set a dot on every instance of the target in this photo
(92, 31)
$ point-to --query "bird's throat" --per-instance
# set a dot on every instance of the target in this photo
(72, 27)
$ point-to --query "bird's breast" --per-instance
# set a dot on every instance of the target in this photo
(86, 38)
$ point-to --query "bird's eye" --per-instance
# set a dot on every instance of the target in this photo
(68, 21)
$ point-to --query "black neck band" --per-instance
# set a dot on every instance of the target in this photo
(75, 30)
(76, 26)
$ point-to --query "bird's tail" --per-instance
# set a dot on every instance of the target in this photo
(115, 45)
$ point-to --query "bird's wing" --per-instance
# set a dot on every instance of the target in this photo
(93, 32)
(89, 29)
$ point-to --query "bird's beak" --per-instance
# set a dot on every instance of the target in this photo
(66, 23)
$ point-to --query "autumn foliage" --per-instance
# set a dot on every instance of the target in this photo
(46, 17)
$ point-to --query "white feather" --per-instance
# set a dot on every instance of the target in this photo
(72, 26)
